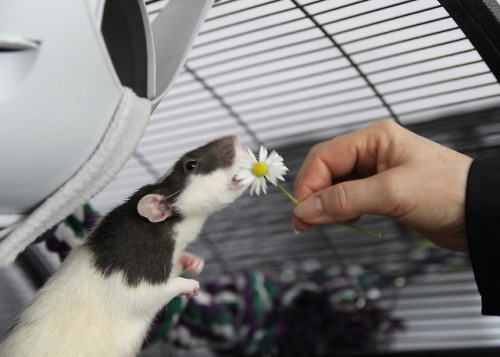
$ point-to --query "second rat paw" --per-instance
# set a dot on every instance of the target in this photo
(191, 263)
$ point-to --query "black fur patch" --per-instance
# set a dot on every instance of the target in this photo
(126, 242)
(215, 155)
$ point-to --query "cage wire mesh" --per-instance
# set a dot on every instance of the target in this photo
(290, 73)
(279, 72)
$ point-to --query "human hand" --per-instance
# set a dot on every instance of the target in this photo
(384, 169)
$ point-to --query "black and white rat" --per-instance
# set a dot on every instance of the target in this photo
(106, 293)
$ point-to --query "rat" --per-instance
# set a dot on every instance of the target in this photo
(104, 297)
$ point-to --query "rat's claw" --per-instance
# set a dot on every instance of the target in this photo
(192, 293)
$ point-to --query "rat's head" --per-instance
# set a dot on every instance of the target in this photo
(200, 183)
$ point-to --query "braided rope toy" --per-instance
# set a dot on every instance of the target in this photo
(251, 313)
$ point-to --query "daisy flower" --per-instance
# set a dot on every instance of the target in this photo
(255, 173)
(270, 167)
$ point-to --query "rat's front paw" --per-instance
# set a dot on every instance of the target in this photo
(193, 290)
(191, 263)
(181, 286)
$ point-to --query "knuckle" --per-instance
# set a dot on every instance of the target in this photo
(316, 149)
(386, 125)
(343, 200)
(387, 128)
(394, 195)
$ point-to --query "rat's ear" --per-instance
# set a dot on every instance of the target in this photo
(154, 207)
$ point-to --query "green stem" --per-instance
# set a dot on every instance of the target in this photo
(352, 226)
(362, 230)
(294, 200)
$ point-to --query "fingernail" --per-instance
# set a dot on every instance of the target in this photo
(309, 209)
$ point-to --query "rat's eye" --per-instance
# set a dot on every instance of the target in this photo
(191, 165)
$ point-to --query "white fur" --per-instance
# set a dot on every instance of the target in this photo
(206, 193)
(185, 232)
(81, 313)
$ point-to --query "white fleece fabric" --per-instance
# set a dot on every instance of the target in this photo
(117, 145)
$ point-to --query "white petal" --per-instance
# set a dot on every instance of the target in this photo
(254, 187)
(274, 163)
(271, 179)
(246, 178)
(262, 154)
(277, 172)
(251, 156)
(264, 185)
(243, 173)
(273, 156)
(247, 165)
(247, 182)
(275, 160)
(276, 168)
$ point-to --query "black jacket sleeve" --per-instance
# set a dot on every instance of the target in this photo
(482, 213)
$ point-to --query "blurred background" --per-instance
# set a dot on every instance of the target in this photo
(288, 74)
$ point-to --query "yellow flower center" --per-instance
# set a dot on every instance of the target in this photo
(260, 169)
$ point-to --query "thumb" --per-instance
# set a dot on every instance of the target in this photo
(346, 201)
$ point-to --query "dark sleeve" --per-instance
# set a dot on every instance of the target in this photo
(482, 212)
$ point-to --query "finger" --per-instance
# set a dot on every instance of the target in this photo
(349, 200)
(351, 154)
(327, 163)
(299, 225)
(314, 174)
